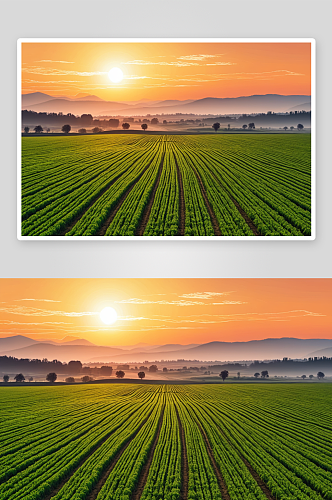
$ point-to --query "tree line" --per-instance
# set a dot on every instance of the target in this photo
(264, 374)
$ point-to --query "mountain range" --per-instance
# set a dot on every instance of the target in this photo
(20, 346)
(80, 104)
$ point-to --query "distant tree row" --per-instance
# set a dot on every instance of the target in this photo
(10, 363)
(251, 126)
(38, 129)
(50, 377)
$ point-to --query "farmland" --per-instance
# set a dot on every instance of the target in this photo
(123, 441)
(167, 185)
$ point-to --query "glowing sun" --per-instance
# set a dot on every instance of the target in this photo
(108, 315)
(115, 75)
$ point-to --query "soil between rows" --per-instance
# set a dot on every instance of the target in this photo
(81, 462)
(182, 206)
(252, 471)
(147, 210)
(114, 211)
(213, 217)
(102, 480)
(184, 462)
(137, 493)
(220, 479)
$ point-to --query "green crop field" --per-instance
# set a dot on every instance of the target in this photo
(167, 185)
(153, 442)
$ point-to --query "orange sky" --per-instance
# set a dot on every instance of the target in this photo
(167, 70)
(160, 311)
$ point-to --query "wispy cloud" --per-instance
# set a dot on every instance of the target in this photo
(185, 300)
(179, 62)
(255, 316)
(203, 295)
(160, 302)
(38, 70)
(33, 311)
(40, 323)
(199, 57)
(37, 300)
(51, 61)
(180, 303)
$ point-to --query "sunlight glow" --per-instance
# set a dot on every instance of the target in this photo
(108, 315)
(115, 75)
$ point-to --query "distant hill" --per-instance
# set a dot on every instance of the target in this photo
(83, 350)
(210, 105)
(301, 107)
(15, 342)
(29, 100)
(327, 351)
(64, 353)
(234, 351)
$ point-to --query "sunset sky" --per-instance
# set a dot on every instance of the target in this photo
(161, 311)
(159, 71)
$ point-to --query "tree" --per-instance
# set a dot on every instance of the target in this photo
(285, 128)
(223, 375)
(96, 130)
(30, 379)
(70, 380)
(300, 126)
(303, 377)
(228, 126)
(74, 366)
(244, 126)
(48, 130)
(125, 126)
(251, 126)
(292, 128)
(165, 369)
(87, 119)
(265, 374)
(26, 130)
(164, 122)
(120, 374)
(66, 129)
(6, 378)
(51, 377)
(82, 130)
(311, 377)
(153, 368)
(154, 121)
(216, 126)
(106, 370)
(113, 122)
(144, 126)
(238, 374)
(87, 378)
(320, 375)
(19, 377)
(256, 375)
(141, 375)
(38, 129)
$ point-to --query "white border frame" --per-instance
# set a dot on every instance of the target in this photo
(312, 41)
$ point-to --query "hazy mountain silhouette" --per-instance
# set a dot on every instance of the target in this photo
(62, 352)
(327, 351)
(15, 342)
(232, 351)
(210, 105)
(301, 107)
(81, 349)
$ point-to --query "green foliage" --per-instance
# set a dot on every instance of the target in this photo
(79, 439)
(81, 185)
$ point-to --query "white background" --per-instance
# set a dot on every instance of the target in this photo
(170, 18)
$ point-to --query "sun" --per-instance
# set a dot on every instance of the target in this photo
(115, 75)
(108, 315)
